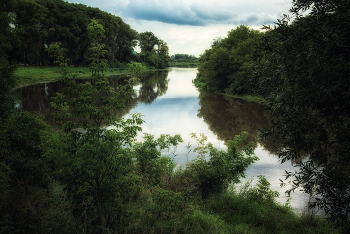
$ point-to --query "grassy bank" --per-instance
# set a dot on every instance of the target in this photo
(238, 210)
(247, 97)
(32, 75)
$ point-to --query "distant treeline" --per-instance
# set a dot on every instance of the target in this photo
(184, 60)
(38, 23)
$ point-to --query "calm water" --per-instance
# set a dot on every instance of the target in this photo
(172, 105)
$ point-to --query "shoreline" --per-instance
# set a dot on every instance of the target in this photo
(27, 76)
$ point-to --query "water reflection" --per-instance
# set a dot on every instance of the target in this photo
(39, 96)
(229, 116)
(172, 105)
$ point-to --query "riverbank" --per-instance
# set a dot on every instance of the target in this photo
(173, 203)
(246, 97)
(32, 75)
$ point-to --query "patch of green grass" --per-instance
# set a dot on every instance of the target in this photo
(234, 211)
(244, 215)
(247, 97)
(32, 75)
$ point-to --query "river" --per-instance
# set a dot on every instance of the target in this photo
(172, 105)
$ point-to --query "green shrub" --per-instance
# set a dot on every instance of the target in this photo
(223, 167)
(203, 222)
(151, 164)
(262, 192)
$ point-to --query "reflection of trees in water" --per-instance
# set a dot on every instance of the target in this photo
(228, 116)
(153, 85)
(39, 96)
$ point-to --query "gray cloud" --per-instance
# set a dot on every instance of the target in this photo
(257, 20)
(252, 19)
(206, 13)
(179, 12)
(179, 15)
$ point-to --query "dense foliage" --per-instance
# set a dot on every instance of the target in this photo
(227, 66)
(301, 68)
(307, 92)
(154, 52)
(184, 60)
(39, 23)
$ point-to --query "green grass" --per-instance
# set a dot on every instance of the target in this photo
(232, 211)
(244, 215)
(247, 97)
(32, 75)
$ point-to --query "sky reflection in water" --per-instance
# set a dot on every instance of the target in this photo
(172, 105)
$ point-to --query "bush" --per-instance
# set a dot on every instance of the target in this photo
(149, 161)
(223, 167)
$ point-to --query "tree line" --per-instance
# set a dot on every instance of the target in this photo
(39, 23)
(300, 66)
(183, 60)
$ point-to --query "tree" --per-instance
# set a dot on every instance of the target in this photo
(147, 41)
(227, 66)
(95, 164)
(307, 91)
(223, 167)
(9, 39)
(31, 22)
(163, 52)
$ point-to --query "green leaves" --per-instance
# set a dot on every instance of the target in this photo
(262, 191)
(149, 159)
(96, 31)
(305, 80)
(227, 66)
(147, 41)
(94, 162)
(135, 68)
(223, 167)
(55, 51)
(154, 57)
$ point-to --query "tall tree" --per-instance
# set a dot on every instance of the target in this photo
(31, 21)
(96, 165)
(148, 41)
(9, 41)
(226, 67)
(307, 89)
(163, 52)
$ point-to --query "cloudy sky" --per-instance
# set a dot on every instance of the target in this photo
(190, 26)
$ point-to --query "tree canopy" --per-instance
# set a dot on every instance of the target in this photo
(226, 67)
(307, 92)
(40, 23)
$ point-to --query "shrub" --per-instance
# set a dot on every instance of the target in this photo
(223, 167)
